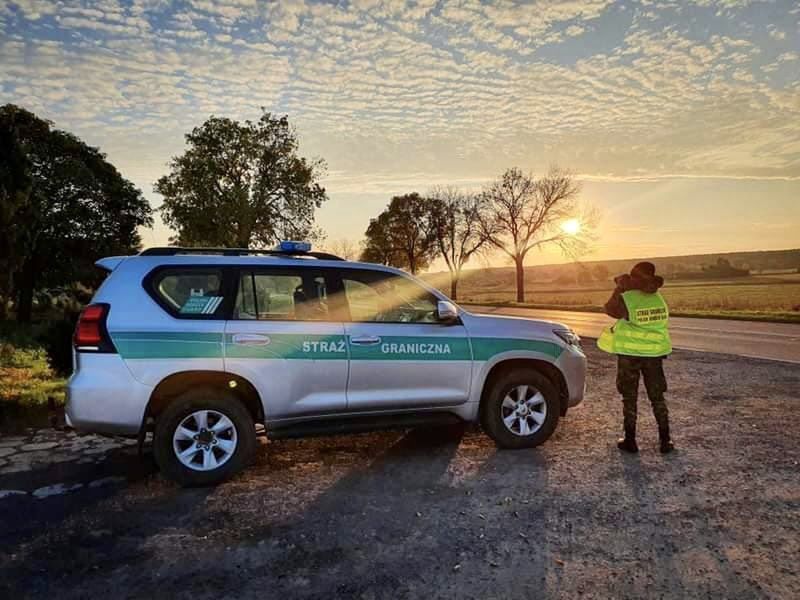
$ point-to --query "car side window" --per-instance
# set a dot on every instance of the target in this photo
(284, 296)
(384, 297)
(189, 291)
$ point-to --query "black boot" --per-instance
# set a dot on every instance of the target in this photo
(666, 444)
(628, 443)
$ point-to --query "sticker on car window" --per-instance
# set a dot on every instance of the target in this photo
(200, 305)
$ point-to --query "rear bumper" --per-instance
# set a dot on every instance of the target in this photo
(573, 365)
(103, 396)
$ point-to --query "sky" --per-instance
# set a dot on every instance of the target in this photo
(681, 118)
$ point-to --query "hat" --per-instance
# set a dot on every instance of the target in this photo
(643, 270)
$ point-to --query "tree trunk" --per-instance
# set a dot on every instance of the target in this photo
(26, 283)
(7, 288)
(520, 278)
(244, 233)
(242, 240)
(453, 286)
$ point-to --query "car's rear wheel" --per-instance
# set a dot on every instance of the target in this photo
(521, 409)
(204, 437)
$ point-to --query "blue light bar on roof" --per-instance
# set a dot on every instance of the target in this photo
(294, 246)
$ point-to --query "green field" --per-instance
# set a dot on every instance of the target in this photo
(762, 297)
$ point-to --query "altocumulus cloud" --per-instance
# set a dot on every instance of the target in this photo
(456, 88)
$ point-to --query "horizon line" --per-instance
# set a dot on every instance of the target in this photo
(638, 258)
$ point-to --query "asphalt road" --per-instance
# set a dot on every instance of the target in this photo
(773, 341)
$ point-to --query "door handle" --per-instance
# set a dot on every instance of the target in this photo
(365, 340)
(250, 339)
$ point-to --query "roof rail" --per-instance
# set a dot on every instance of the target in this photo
(176, 250)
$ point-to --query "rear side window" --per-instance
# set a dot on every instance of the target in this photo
(283, 296)
(189, 292)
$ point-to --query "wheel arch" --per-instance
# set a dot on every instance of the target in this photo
(548, 369)
(175, 384)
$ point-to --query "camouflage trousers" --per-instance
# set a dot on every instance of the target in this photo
(652, 371)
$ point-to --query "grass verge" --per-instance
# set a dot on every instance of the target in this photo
(731, 315)
(26, 378)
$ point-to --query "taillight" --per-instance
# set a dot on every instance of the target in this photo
(91, 333)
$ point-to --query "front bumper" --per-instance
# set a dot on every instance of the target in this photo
(572, 363)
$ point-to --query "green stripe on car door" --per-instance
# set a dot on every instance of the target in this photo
(281, 346)
(413, 348)
(289, 346)
(173, 344)
(486, 348)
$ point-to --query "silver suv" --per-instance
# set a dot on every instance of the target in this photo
(200, 345)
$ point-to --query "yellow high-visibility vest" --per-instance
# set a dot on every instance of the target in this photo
(646, 330)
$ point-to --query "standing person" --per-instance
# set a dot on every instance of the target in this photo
(640, 339)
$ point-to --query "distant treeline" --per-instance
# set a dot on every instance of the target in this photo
(723, 269)
(697, 266)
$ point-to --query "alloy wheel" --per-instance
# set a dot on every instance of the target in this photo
(524, 410)
(204, 440)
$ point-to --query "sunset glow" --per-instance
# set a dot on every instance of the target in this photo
(664, 111)
(571, 227)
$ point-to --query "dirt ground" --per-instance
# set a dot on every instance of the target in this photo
(440, 513)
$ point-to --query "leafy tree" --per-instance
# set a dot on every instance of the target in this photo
(242, 184)
(454, 221)
(15, 192)
(524, 213)
(68, 207)
(400, 235)
(601, 272)
(584, 275)
(378, 244)
(566, 279)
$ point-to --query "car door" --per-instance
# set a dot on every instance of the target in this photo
(282, 338)
(401, 356)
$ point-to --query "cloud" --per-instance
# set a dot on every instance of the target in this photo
(97, 25)
(30, 9)
(425, 89)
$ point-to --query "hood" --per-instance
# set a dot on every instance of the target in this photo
(484, 325)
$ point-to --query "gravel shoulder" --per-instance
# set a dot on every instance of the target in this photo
(441, 513)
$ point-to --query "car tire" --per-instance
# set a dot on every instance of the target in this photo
(512, 426)
(221, 449)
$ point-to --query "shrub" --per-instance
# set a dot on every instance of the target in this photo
(57, 341)
(26, 375)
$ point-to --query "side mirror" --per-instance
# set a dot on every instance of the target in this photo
(446, 312)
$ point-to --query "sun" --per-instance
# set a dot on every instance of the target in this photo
(571, 226)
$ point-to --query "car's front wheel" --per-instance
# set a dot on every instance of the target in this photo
(521, 409)
(204, 437)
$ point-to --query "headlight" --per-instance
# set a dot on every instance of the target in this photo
(570, 337)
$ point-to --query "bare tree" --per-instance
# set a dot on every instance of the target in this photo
(343, 247)
(524, 213)
(454, 222)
